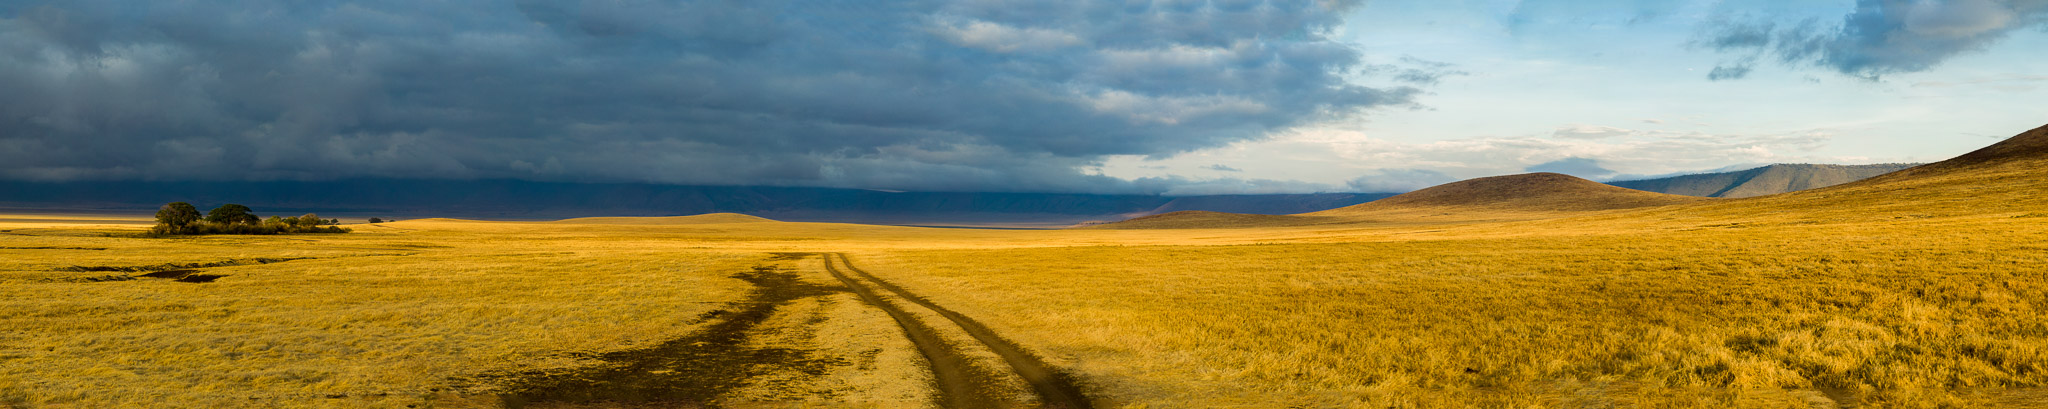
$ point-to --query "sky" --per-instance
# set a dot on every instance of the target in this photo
(1170, 97)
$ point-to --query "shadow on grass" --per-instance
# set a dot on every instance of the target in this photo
(692, 371)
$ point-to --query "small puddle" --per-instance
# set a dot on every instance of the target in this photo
(183, 276)
(690, 371)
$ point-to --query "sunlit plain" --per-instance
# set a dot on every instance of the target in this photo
(1925, 288)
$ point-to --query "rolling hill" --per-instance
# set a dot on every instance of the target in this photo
(2007, 176)
(1530, 192)
(1511, 197)
(1196, 219)
(2001, 181)
(1762, 181)
(2024, 152)
(712, 218)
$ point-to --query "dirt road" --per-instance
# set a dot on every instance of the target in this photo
(766, 348)
(1055, 389)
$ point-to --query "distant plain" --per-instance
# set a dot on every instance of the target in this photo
(1921, 288)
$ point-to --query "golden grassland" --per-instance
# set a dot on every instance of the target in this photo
(1927, 289)
(387, 311)
(1723, 315)
(1935, 312)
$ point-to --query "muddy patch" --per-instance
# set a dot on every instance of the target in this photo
(180, 266)
(199, 278)
(183, 276)
(169, 274)
(92, 279)
(692, 371)
(416, 246)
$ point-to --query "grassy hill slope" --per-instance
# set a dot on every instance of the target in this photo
(1762, 181)
(2003, 180)
(1525, 192)
(713, 218)
(1512, 197)
(1196, 219)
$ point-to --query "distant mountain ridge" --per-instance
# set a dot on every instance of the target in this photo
(1485, 198)
(2002, 179)
(516, 199)
(1762, 181)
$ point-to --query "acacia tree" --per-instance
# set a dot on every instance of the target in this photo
(309, 220)
(176, 217)
(232, 214)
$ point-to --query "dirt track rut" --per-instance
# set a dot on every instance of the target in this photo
(705, 368)
(1055, 389)
(959, 383)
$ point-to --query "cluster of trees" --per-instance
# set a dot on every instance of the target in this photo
(182, 218)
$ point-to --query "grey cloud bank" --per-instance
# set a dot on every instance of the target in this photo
(1879, 37)
(914, 95)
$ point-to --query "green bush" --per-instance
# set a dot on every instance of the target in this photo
(177, 214)
(232, 214)
(180, 218)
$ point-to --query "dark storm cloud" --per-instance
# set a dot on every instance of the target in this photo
(1881, 36)
(942, 95)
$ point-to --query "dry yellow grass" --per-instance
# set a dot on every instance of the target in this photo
(1925, 289)
(1525, 321)
(394, 310)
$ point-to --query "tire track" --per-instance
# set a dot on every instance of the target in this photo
(960, 384)
(1055, 388)
(696, 370)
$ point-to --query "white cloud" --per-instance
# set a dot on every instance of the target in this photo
(1176, 56)
(1582, 131)
(1005, 39)
(1169, 110)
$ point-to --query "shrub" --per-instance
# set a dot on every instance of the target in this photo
(232, 214)
(177, 214)
(180, 218)
(175, 218)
